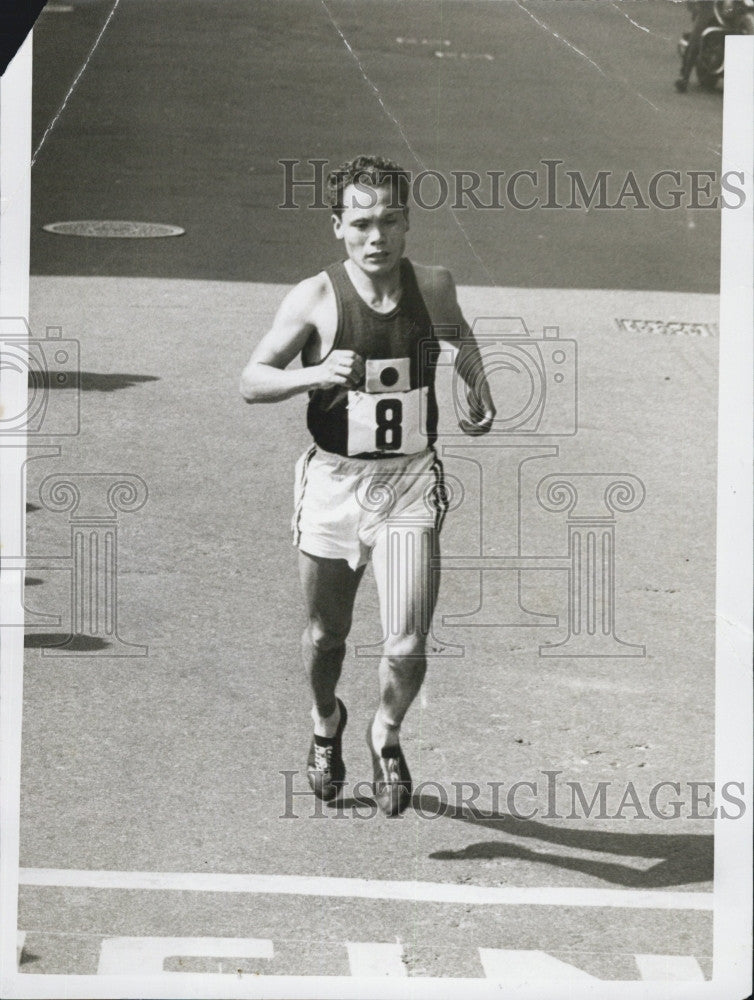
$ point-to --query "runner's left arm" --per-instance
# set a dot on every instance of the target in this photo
(452, 329)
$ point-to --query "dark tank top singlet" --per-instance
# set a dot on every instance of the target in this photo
(404, 332)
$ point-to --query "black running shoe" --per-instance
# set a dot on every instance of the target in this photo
(325, 768)
(392, 781)
(681, 85)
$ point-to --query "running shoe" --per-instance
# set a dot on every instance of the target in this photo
(392, 782)
(325, 768)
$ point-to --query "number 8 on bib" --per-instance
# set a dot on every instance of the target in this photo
(388, 422)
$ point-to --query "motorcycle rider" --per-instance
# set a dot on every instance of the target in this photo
(707, 13)
(703, 13)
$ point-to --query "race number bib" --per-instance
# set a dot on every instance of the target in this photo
(387, 422)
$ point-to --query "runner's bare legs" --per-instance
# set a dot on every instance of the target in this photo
(329, 587)
(407, 587)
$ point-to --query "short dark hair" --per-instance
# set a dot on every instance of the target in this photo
(375, 171)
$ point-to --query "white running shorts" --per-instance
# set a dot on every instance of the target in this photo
(341, 503)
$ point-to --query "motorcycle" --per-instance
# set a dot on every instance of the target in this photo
(731, 17)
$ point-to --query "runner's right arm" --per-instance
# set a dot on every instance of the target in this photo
(265, 378)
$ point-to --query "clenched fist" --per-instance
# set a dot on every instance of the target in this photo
(340, 369)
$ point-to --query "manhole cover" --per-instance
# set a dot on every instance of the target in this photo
(113, 229)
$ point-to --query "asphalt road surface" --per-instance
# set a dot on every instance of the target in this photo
(146, 771)
(186, 109)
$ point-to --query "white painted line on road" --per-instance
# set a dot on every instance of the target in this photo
(375, 958)
(440, 54)
(670, 968)
(423, 41)
(516, 968)
(146, 956)
(362, 888)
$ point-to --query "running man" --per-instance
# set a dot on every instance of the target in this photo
(364, 331)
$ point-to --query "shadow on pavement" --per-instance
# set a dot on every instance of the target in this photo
(681, 857)
(76, 643)
(87, 381)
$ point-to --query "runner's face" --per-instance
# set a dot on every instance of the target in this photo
(372, 227)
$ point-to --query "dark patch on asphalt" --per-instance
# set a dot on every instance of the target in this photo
(283, 85)
(62, 640)
(682, 858)
(86, 381)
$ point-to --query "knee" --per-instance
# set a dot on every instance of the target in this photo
(405, 651)
(324, 637)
